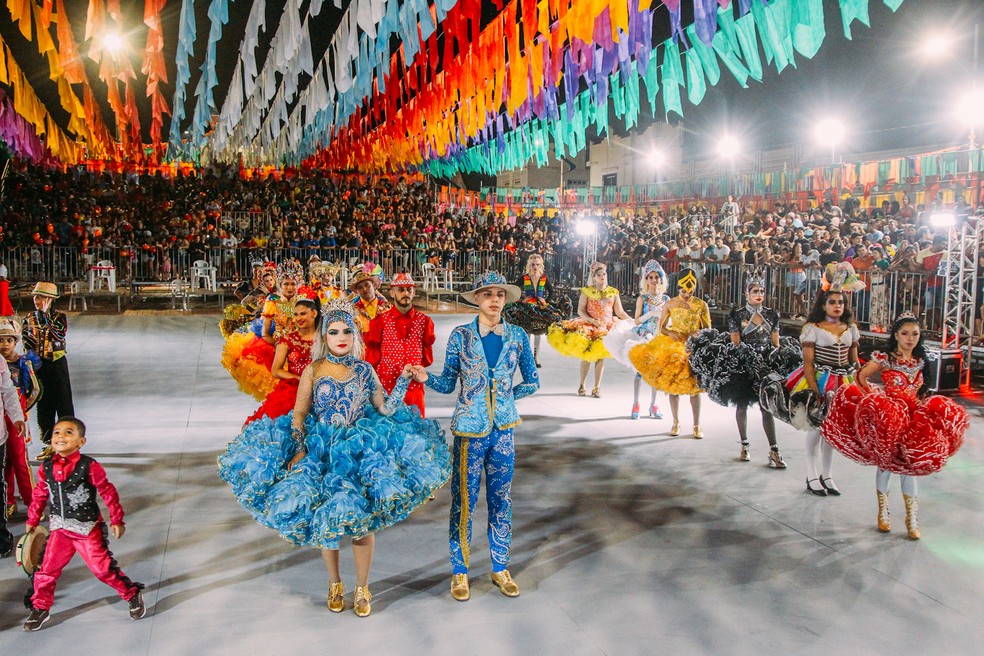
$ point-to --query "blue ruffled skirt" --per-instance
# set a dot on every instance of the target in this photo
(354, 480)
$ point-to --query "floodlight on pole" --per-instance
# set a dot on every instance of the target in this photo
(586, 227)
(943, 219)
(830, 131)
(728, 147)
(937, 45)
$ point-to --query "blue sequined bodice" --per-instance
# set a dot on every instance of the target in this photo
(344, 402)
(650, 303)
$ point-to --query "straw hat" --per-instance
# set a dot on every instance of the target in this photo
(48, 289)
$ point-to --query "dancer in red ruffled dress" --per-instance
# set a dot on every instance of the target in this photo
(899, 430)
(292, 355)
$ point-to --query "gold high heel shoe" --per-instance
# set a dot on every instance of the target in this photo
(336, 597)
(580, 390)
(362, 599)
(675, 429)
(698, 433)
(596, 393)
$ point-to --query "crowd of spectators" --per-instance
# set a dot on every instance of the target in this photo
(145, 223)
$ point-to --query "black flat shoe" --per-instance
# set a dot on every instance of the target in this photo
(820, 491)
(830, 487)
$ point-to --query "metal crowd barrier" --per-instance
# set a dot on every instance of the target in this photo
(791, 290)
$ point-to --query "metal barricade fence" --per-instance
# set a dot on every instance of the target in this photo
(791, 290)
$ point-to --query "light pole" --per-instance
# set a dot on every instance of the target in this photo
(728, 147)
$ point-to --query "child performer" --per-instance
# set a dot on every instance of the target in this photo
(830, 360)
(663, 361)
(10, 408)
(627, 334)
(70, 482)
(597, 309)
(21, 368)
(899, 430)
(484, 355)
(731, 365)
(348, 461)
(539, 306)
(400, 336)
(44, 333)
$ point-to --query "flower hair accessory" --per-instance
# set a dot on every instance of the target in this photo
(307, 293)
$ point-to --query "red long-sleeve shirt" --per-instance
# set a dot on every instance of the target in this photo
(62, 468)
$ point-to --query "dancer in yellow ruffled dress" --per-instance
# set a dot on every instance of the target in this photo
(663, 362)
(597, 309)
(248, 353)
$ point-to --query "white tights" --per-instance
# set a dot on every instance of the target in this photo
(909, 487)
(636, 384)
(815, 442)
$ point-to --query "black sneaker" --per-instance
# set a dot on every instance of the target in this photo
(137, 608)
(37, 619)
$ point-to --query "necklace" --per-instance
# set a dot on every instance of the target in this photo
(346, 360)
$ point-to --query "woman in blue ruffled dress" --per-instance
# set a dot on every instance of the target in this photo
(348, 461)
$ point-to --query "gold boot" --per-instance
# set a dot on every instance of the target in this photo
(911, 519)
(362, 599)
(883, 524)
(336, 597)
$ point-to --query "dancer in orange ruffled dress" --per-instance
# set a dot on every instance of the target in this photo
(899, 430)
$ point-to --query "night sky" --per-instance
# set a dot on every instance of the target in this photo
(879, 83)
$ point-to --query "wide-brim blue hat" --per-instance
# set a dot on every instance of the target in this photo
(492, 279)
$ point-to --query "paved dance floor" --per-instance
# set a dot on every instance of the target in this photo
(626, 540)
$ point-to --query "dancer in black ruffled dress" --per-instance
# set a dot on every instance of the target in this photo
(731, 365)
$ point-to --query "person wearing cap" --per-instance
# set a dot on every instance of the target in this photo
(400, 336)
(484, 355)
(44, 332)
(21, 368)
(10, 409)
(366, 280)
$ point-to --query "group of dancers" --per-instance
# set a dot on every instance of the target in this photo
(340, 446)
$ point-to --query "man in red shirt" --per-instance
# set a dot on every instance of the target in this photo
(398, 337)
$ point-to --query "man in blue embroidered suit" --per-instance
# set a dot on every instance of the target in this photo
(484, 355)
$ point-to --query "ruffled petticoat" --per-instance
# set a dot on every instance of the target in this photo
(578, 339)
(623, 337)
(664, 366)
(877, 429)
(354, 480)
(249, 359)
(536, 319)
(731, 373)
(278, 402)
(790, 399)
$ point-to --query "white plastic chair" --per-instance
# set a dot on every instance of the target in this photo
(77, 293)
(105, 272)
(202, 270)
(430, 276)
(179, 289)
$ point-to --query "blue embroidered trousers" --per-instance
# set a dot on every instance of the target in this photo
(495, 455)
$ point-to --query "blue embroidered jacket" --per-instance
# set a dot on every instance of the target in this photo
(487, 397)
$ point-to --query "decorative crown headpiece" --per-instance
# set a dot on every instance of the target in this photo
(687, 281)
(905, 316)
(755, 278)
(338, 309)
(652, 266)
(290, 269)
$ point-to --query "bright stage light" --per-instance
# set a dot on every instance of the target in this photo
(113, 42)
(728, 146)
(969, 109)
(937, 45)
(942, 219)
(830, 131)
(585, 227)
(655, 158)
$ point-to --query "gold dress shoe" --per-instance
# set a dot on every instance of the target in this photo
(362, 599)
(11, 509)
(675, 430)
(505, 583)
(336, 597)
(698, 433)
(459, 587)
